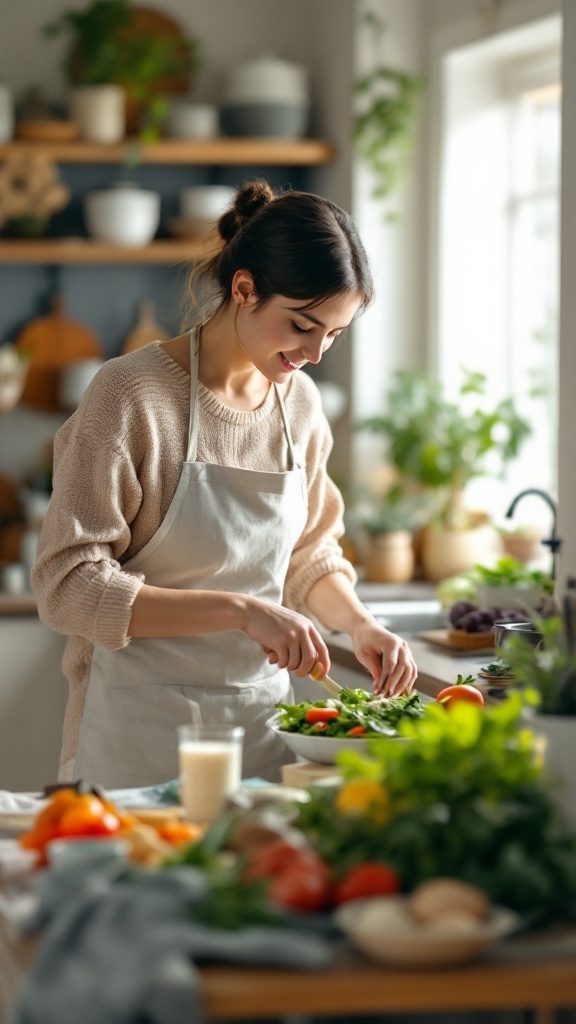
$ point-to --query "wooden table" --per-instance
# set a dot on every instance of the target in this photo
(241, 993)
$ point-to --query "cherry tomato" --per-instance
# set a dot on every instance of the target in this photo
(321, 726)
(47, 822)
(314, 715)
(369, 879)
(180, 832)
(87, 816)
(357, 730)
(303, 885)
(460, 692)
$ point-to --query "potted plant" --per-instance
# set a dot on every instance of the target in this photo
(389, 521)
(112, 58)
(442, 445)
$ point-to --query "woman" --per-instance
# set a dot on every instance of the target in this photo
(193, 528)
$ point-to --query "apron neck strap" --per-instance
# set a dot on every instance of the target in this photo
(193, 414)
(294, 462)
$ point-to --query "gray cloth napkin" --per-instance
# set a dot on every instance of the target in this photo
(119, 946)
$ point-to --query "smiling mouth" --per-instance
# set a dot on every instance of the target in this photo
(290, 365)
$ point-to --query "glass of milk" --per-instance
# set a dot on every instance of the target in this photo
(210, 767)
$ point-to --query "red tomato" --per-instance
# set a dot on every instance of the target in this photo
(271, 858)
(369, 879)
(461, 692)
(356, 730)
(321, 726)
(314, 715)
(303, 885)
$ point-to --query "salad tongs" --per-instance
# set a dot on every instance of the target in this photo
(330, 685)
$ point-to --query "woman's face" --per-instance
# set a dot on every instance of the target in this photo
(282, 336)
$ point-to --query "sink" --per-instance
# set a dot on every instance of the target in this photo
(408, 617)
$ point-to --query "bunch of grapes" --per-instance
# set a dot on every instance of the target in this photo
(469, 617)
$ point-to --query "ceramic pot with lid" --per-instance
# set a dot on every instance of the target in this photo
(266, 97)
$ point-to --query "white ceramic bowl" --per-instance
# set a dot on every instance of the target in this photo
(383, 930)
(122, 215)
(205, 202)
(509, 597)
(188, 120)
(325, 748)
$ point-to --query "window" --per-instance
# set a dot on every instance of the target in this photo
(498, 239)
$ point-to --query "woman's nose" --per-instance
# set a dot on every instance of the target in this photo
(314, 351)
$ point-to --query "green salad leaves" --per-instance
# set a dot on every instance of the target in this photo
(355, 713)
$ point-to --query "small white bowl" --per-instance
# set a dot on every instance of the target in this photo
(188, 120)
(122, 215)
(205, 203)
(383, 929)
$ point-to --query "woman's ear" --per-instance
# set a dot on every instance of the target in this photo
(242, 290)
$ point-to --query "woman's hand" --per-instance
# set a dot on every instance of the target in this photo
(290, 639)
(386, 656)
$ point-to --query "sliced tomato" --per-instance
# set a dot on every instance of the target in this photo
(460, 691)
(357, 730)
(303, 885)
(370, 879)
(271, 858)
(321, 726)
(314, 715)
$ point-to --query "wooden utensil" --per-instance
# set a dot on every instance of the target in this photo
(330, 685)
(52, 341)
(145, 330)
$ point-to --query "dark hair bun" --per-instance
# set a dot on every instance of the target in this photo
(249, 199)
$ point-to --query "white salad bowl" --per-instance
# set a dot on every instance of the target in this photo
(325, 748)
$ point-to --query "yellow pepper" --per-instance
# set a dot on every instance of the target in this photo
(364, 797)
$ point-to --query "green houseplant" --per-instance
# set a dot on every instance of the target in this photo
(388, 101)
(108, 45)
(441, 445)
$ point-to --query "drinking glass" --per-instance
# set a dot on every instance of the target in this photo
(210, 759)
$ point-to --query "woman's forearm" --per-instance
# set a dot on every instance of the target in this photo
(159, 611)
(333, 601)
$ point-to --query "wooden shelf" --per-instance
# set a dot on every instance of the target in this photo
(220, 150)
(58, 251)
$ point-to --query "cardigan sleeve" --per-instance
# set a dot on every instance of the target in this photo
(317, 552)
(78, 579)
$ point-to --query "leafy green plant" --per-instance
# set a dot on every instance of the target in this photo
(549, 668)
(387, 513)
(441, 444)
(466, 801)
(509, 572)
(99, 53)
(384, 126)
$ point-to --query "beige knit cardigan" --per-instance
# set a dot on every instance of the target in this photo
(117, 462)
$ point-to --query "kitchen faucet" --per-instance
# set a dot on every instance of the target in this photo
(553, 542)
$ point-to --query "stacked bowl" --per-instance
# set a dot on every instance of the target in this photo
(266, 97)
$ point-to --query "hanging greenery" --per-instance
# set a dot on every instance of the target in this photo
(384, 126)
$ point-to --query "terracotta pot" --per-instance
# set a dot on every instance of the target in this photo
(446, 551)
(390, 558)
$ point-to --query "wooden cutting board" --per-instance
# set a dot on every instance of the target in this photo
(145, 330)
(467, 644)
(52, 341)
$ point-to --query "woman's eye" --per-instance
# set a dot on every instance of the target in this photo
(300, 330)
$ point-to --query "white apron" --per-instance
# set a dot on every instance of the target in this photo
(226, 529)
